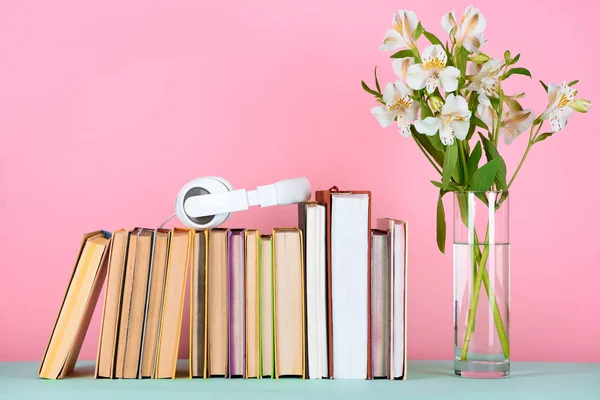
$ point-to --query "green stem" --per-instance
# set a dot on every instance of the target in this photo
(532, 137)
(427, 155)
(483, 276)
(463, 160)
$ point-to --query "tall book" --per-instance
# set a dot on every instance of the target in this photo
(267, 365)
(288, 277)
(217, 303)
(174, 297)
(312, 224)
(348, 282)
(77, 307)
(380, 303)
(252, 313)
(109, 328)
(125, 304)
(399, 257)
(198, 306)
(237, 330)
(158, 274)
(134, 325)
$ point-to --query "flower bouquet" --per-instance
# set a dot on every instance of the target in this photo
(449, 98)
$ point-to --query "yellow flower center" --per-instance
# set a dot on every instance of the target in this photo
(564, 101)
(434, 63)
(400, 104)
(455, 118)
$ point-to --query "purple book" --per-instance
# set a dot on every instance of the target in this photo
(237, 328)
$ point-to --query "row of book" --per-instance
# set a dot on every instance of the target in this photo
(326, 299)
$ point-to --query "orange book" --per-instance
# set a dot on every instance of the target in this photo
(174, 296)
(77, 307)
(107, 343)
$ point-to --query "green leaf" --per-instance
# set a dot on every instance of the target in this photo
(516, 59)
(418, 31)
(451, 186)
(545, 86)
(461, 60)
(573, 82)
(369, 90)
(437, 142)
(450, 161)
(473, 160)
(484, 177)
(477, 122)
(513, 104)
(436, 154)
(376, 81)
(494, 101)
(432, 38)
(516, 71)
(543, 136)
(441, 224)
(491, 153)
(403, 54)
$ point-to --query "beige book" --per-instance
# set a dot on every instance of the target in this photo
(77, 307)
(137, 311)
(398, 230)
(125, 305)
(198, 306)
(266, 304)
(252, 328)
(289, 302)
(107, 343)
(217, 312)
(155, 297)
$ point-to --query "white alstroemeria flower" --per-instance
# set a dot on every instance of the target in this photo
(398, 105)
(514, 123)
(561, 103)
(452, 122)
(433, 71)
(484, 109)
(404, 23)
(469, 33)
(400, 67)
(484, 79)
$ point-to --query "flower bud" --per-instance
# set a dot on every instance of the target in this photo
(480, 58)
(580, 105)
(436, 103)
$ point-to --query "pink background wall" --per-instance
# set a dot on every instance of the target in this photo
(106, 109)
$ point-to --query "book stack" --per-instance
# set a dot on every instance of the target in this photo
(326, 299)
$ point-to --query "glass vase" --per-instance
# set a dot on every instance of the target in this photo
(481, 284)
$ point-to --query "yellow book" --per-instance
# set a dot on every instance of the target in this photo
(252, 312)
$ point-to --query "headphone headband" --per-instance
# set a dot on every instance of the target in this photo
(207, 202)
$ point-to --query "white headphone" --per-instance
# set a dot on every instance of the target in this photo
(206, 202)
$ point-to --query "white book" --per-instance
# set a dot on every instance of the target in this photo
(315, 290)
(350, 277)
(399, 254)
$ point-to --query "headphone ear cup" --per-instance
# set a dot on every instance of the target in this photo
(200, 187)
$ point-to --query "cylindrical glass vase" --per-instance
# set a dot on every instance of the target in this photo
(481, 284)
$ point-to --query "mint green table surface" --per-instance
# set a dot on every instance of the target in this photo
(426, 380)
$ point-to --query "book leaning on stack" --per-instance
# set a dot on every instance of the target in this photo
(324, 300)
